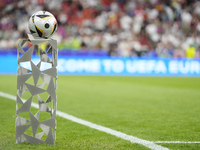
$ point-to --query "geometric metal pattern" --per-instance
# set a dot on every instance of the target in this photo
(36, 85)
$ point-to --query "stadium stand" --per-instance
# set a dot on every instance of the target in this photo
(125, 28)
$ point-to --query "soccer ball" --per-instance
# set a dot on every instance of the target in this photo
(42, 24)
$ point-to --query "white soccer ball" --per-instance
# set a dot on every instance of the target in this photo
(42, 24)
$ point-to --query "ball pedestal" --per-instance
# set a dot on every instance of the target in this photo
(36, 85)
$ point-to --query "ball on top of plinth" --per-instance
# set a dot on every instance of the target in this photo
(42, 24)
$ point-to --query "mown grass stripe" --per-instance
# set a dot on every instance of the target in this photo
(124, 136)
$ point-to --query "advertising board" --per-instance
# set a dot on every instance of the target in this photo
(112, 66)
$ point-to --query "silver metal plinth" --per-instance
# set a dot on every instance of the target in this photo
(36, 84)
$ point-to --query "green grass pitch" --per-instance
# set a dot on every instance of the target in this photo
(150, 108)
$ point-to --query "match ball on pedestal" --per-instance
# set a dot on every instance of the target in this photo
(42, 24)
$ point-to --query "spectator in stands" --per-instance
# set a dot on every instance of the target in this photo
(128, 28)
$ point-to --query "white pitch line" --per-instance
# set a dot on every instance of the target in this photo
(184, 142)
(132, 139)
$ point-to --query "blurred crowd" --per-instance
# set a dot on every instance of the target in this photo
(128, 28)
